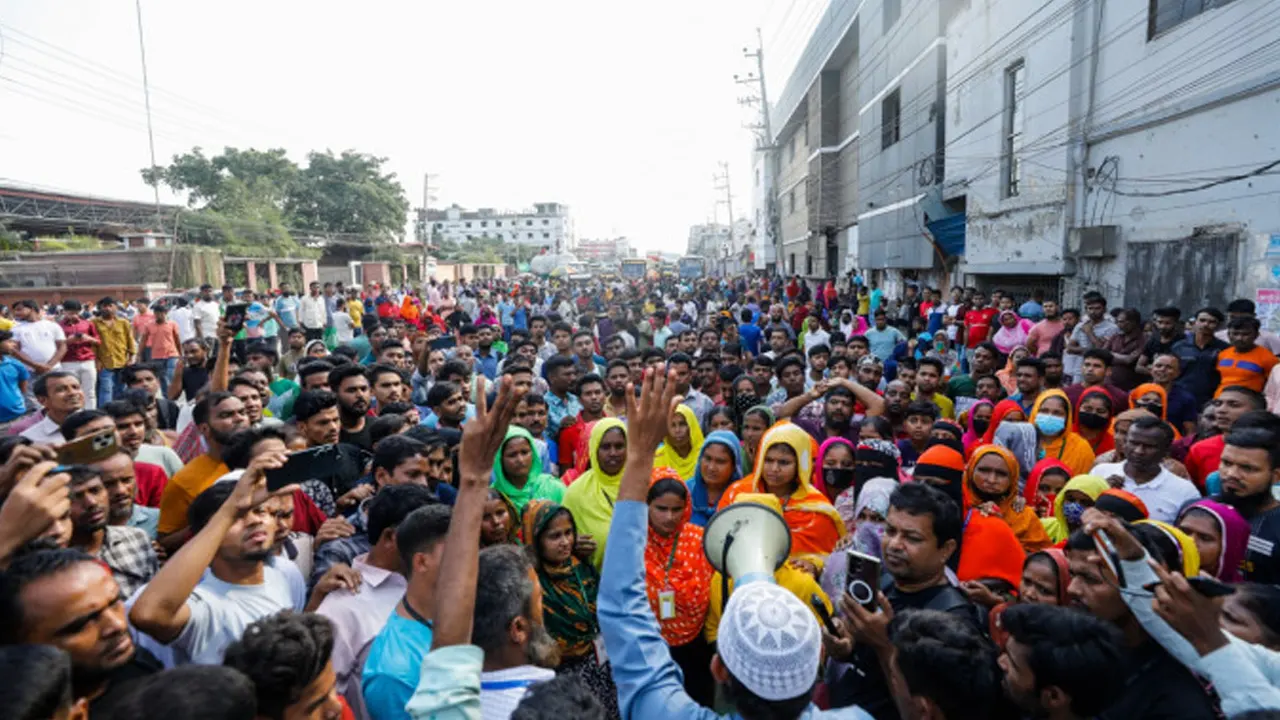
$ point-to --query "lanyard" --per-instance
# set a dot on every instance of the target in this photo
(506, 684)
(415, 614)
(607, 498)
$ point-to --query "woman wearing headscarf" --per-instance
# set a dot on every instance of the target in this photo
(1154, 399)
(1093, 419)
(755, 422)
(1004, 410)
(1012, 333)
(877, 459)
(592, 496)
(1221, 535)
(569, 589)
(678, 580)
(1044, 580)
(1187, 559)
(991, 485)
(719, 466)
(500, 522)
(977, 420)
(784, 469)
(582, 455)
(835, 468)
(991, 557)
(1077, 495)
(1048, 477)
(518, 474)
(1052, 419)
(1008, 374)
(865, 521)
(684, 438)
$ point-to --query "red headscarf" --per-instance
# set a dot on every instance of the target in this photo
(1032, 488)
(1003, 408)
(1106, 442)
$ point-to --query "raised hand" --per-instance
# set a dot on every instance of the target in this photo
(251, 489)
(647, 414)
(483, 435)
(37, 501)
(22, 459)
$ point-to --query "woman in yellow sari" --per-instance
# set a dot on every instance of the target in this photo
(684, 439)
(991, 486)
(591, 497)
(1052, 418)
(784, 468)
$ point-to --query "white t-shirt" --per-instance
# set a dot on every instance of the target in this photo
(342, 323)
(39, 340)
(186, 321)
(220, 612)
(1163, 495)
(208, 312)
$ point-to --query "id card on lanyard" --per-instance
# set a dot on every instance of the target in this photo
(667, 596)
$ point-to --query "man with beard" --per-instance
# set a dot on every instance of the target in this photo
(218, 416)
(1059, 663)
(220, 582)
(982, 361)
(388, 385)
(836, 414)
(1042, 334)
(922, 531)
(125, 551)
(615, 380)
(359, 615)
(119, 476)
(1249, 469)
(351, 385)
(69, 600)
(1229, 407)
(1053, 371)
(897, 396)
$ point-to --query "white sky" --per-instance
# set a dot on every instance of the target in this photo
(621, 110)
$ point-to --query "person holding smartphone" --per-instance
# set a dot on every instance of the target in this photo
(82, 342)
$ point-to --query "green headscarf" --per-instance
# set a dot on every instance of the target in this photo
(540, 485)
(569, 590)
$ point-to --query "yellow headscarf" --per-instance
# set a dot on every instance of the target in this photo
(668, 457)
(1187, 550)
(1090, 485)
(591, 497)
(1073, 450)
(815, 525)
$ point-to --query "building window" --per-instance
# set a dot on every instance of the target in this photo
(530, 235)
(808, 265)
(437, 226)
(468, 225)
(544, 222)
(757, 178)
(791, 264)
(546, 235)
(892, 11)
(890, 120)
(484, 223)
(1164, 15)
(806, 134)
(1014, 92)
(528, 223)
(497, 223)
(791, 201)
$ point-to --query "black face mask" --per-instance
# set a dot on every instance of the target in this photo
(838, 478)
(1094, 421)
(980, 426)
(1153, 408)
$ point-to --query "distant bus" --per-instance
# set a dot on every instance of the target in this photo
(634, 268)
(691, 266)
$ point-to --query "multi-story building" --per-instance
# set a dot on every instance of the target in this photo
(546, 225)
(1120, 147)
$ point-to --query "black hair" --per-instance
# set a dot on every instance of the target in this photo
(440, 392)
(533, 398)
(654, 353)
(38, 681)
(932, 362)
(616, 363)
(24, 570)
(190, 692)
(420, 531)
(1241, 305)
(819, 349)
(586, 333)
(788, 361)
(342, 373)
(206, 504)
(556, 363)
(394, 450)
(204, 408)
(451, 368)
(923, 499)
(1050, 355)
(764, 361)
(922, 408)
(386, 425)
(1073, 651)
(679, 358)
(1257, 430)
(588, 379)
(750, 705)
(129, 374)
(1150, 422)
(239, 449)
(881, 424)
(310, 403)
(861, 340)
(1034, 363)
(564, 696)
(315, 367)
(77, 420)
(343, 354)
(560, 326)
(667, 486)
(1264, 602)
(906, 363)
(282, 654)
(396, 408)
(391, 505)
(708, 358)
(1169, 312)
(1212, 312)
(40, 388)
(1244, 323)
(1102, 354)
(504, 592)
(946, 660)
(513, 366)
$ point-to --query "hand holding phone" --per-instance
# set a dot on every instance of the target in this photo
(862, 576)
(821, 608)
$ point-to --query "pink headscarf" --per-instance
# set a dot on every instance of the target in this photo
(1235, 538)
(818, 482)
(971, 436)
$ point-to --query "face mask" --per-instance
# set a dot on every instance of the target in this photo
(838, 478)
(1154, 409)
(1073, 511)
(1050, 424)
(1094, 421)
(980, 426)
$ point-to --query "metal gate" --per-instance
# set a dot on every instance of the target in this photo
(1190, 273)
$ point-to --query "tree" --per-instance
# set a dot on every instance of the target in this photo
(348, 193)
(225, 182)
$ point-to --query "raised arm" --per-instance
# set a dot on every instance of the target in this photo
(221, 366)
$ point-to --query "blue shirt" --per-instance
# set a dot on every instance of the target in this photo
(883, 341)
(876, 296)
(1031, 310)
(12, 374)
(750, 335)
(487, 362)
(394, 667)
(287, 309)
(558, 410)
(649, 682)
(506, 312)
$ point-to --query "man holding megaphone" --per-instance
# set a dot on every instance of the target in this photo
(769, 644)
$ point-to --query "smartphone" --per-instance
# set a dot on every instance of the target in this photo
(443, 343)
(88, 449)
(235, 316)
(863, 576)
(1110, 557)
(821, 608)
(322, 462)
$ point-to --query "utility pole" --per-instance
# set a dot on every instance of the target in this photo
(425, 222)
(722, 183)
(146, 97)
(764, 140)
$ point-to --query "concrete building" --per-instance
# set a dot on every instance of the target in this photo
(546, 225)
(606, 250)
(764, 245)
(1114, 146)
(724, 254)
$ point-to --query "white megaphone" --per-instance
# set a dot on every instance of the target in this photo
(747, 541)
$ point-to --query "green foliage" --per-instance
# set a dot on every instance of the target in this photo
(66, 243)
(348, 193)
(482, 250)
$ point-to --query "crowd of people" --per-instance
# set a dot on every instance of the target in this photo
(487, 500)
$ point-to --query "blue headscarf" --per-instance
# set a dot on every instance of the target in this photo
(702, 507)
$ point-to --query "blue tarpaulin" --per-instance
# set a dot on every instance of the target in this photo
(949, 233)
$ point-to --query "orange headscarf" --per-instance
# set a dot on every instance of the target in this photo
(1025, 523)
(1164, 403)
(678, 564)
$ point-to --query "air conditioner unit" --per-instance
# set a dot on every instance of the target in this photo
(1096, 241)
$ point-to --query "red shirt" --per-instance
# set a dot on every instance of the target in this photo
(977, 325)
(1204, 458)
(79, 350)
(307, 516)
(150, 480)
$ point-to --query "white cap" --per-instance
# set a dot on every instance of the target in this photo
(770, 641)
